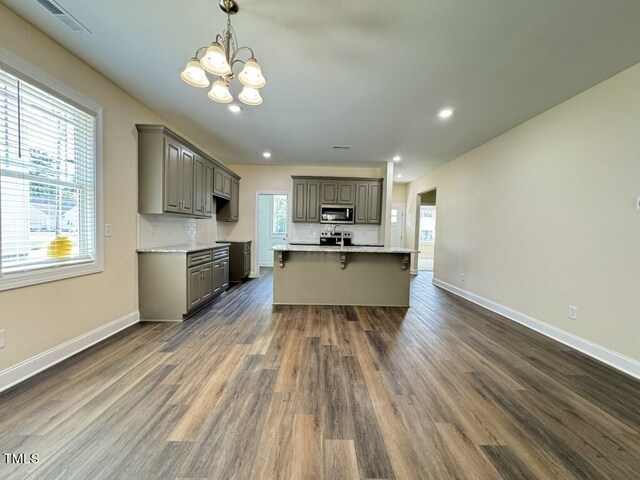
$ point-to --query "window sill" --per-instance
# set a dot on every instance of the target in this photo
(26, 279)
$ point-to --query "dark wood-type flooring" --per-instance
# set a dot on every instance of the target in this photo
(443, 390)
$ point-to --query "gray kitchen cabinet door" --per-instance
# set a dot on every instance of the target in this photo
(198, 185)
(206, 284)
(218, 276)
(299, 213)
(186, 181)
(208, 189)
(313, 201)
(172, 177)
(222, 183)
(361, 202)
(194, 281)
(374, 203)
(328, 192)
(346, 193)
(225, 274)
(234, 202)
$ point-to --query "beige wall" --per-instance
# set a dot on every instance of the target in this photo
(257, 178)
(543, 216)
(399, 193)
(44, 316)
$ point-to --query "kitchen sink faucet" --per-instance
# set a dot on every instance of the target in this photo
(341, 234)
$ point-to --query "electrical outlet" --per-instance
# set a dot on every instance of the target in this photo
(573, 312)
(107, 230)
(1, 338)
(462, 277)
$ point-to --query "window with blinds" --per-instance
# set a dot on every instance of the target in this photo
(48, 207)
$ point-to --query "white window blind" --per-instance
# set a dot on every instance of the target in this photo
(47, 180)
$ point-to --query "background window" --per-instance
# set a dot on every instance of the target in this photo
(279, 219)
(48, 207)
(427, 224)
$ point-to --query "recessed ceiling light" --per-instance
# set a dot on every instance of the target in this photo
(399, 175)
(235, 108)
(445, 113)
(266, 154)
(397, 158)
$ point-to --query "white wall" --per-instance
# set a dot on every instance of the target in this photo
(543, 216)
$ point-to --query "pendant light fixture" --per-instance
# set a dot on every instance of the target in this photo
(219, 58)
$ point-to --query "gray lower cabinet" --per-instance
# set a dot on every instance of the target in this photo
(239, 261)
(172, 286)
(221, 271)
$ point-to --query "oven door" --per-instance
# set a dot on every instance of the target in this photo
(336, 214)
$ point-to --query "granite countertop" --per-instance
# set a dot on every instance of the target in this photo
(353, 249)
(234, 241)
(184, 248)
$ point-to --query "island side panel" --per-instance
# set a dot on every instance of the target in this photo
(316, 278)
(162, 286)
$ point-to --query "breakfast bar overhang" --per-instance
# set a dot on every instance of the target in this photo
(357, 276)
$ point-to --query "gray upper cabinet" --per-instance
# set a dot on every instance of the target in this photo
(346, 193)
(337, 192)
(222, 183)
(202, 187)
(306, 200)
(176, 177)
(368, 202)
(329, 192)
(309, 193)
(229, 211)
(313, 201)
(299, 213)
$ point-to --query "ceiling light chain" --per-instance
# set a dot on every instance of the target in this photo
(219, 58)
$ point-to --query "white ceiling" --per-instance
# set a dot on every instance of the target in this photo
(357, 72)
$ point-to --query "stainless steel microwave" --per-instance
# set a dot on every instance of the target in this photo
(336, 214)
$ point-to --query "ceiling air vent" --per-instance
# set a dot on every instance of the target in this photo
(341, 147)
(65, 17)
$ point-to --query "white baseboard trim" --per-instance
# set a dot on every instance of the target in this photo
(603, 354)
(30, 367)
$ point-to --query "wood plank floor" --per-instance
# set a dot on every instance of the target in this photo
(443, 390)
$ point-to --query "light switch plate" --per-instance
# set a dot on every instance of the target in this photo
(638, 203)
(107, 230)
(1, 338)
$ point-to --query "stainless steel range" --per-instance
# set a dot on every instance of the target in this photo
(331, 237)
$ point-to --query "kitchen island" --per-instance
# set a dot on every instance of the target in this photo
(321, 275)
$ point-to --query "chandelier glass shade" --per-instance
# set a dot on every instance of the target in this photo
(219, 59)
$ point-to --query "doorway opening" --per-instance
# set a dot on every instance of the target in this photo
(426, 230)
(397, 225)
(272, 224)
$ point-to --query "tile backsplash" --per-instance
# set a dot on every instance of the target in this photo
(165, 230)
(310, 232)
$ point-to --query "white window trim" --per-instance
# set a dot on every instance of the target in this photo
(46, 82)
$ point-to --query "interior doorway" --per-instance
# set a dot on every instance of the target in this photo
(272, 224)
(426, 230)
(397, 225)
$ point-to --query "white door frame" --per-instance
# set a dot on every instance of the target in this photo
(255, 262)
(401, 207)
(414, 262)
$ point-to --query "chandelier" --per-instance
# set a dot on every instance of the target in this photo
(219, 58)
